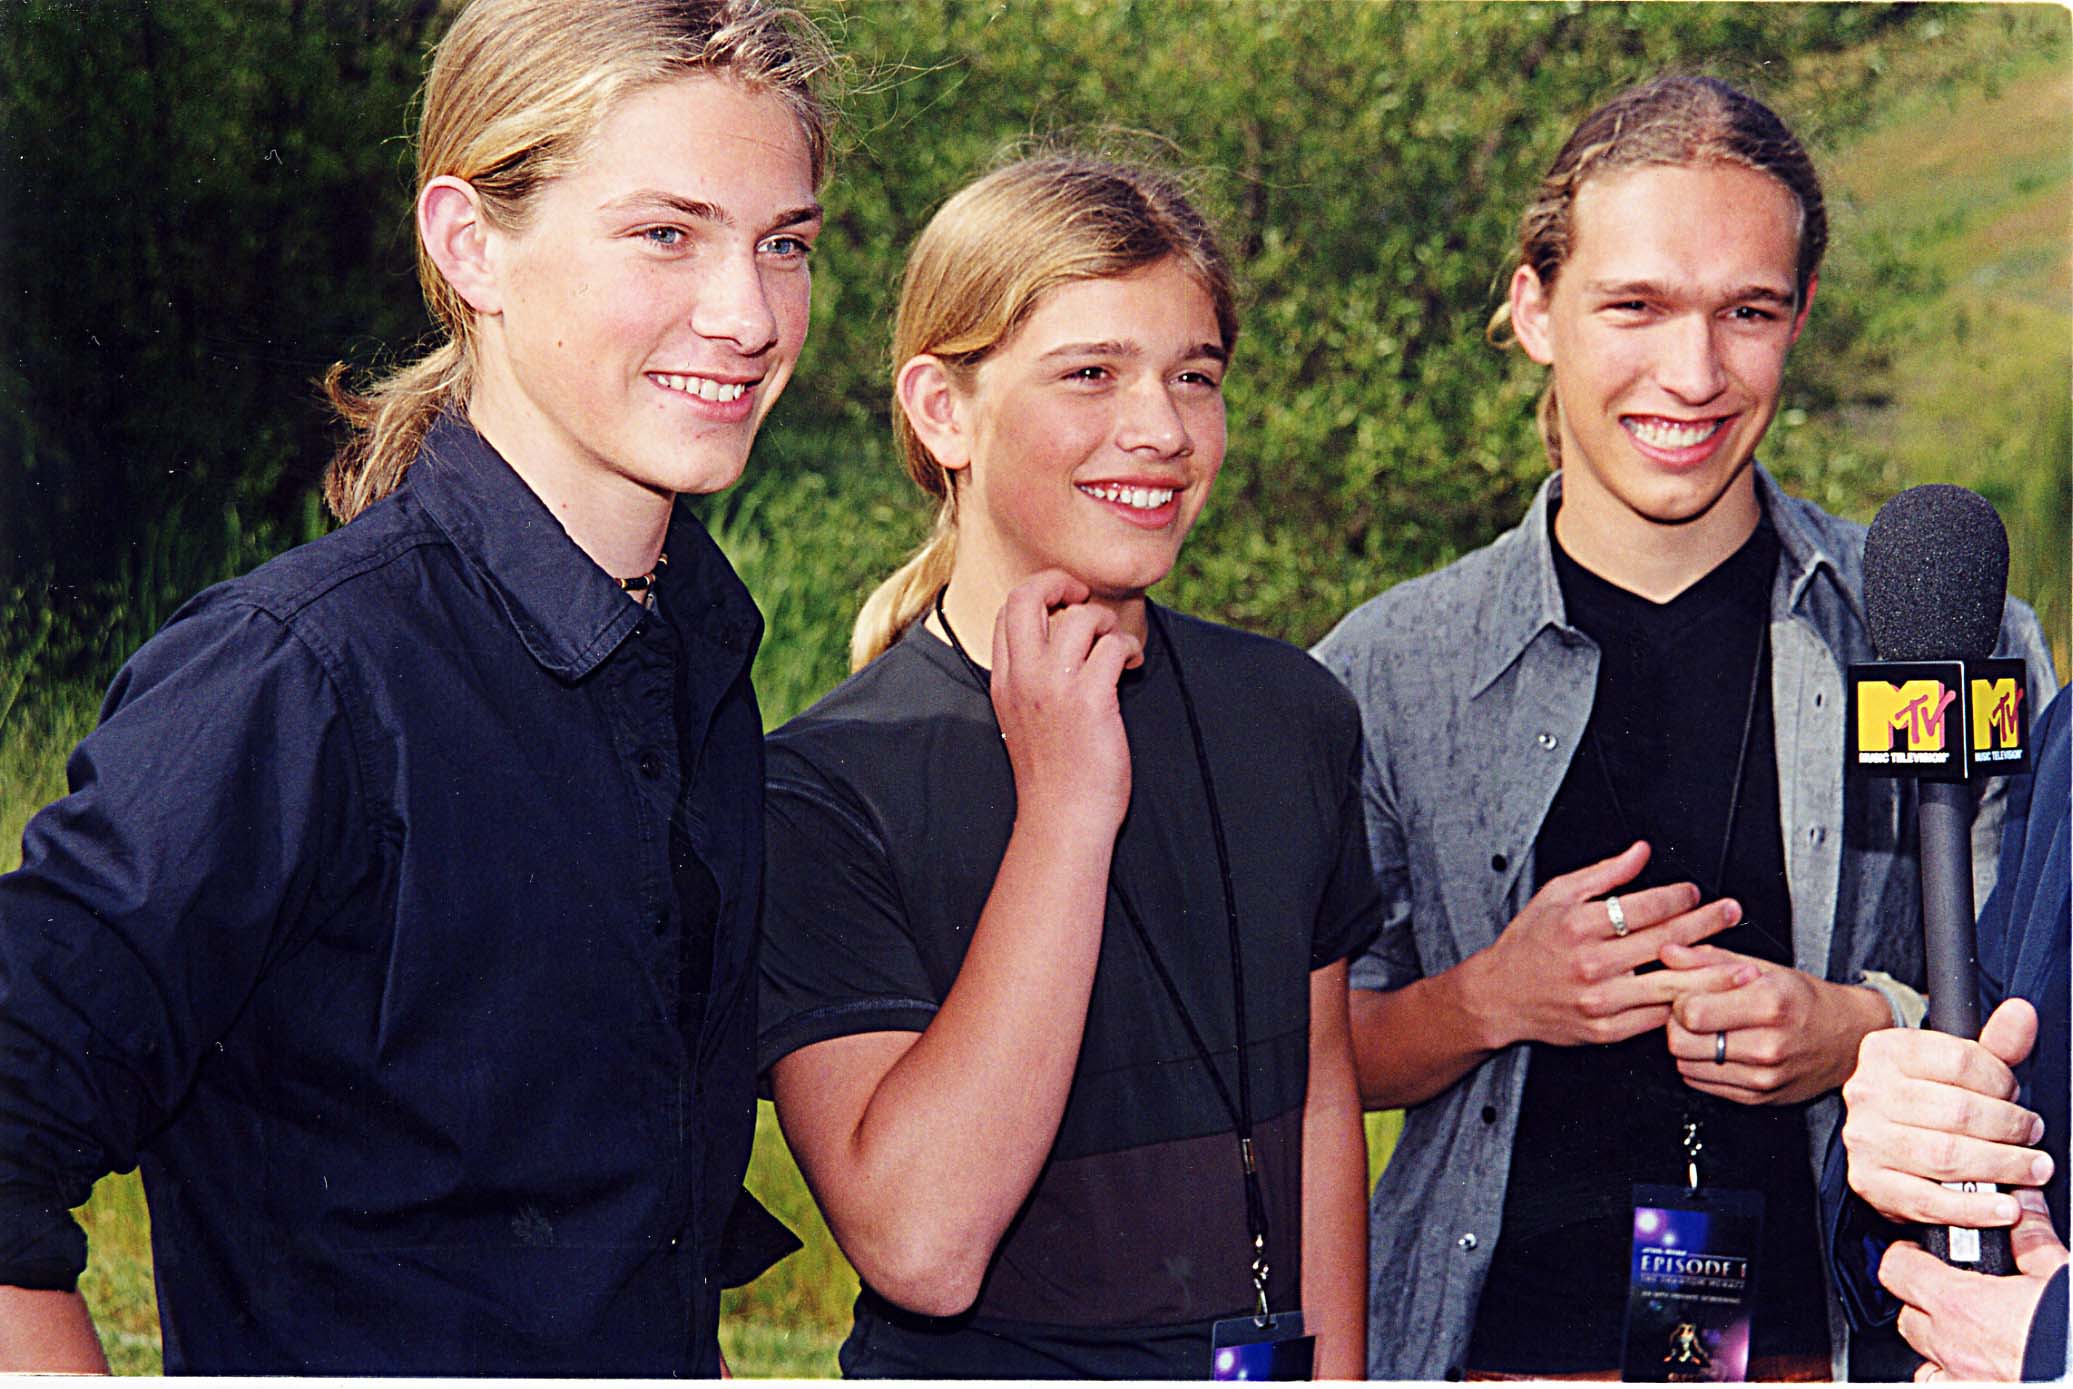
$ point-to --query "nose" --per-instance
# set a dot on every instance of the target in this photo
(1152, 423)
(733, 306)
(1690, 367)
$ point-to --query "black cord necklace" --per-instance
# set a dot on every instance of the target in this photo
(1241, 1111)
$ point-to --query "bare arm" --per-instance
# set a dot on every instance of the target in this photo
(1335, 1188)
(1557, 973)
(921, 1147)
(48, 1332)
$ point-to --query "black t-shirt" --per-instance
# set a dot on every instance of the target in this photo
(1657, 762)
(890, 804)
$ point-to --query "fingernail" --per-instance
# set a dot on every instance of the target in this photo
(2036, 1129)
(2004, 1210)
(2032, 1200)
(2040, 1168)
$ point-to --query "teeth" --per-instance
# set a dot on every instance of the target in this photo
(705, 388)
(1665, 434)
(1140, 498)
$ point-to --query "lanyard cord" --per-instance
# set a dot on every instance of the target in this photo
(1241, 1112)
(1692, 1140)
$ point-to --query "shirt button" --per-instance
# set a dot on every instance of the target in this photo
(1467, 1242)
(1489, 1117)
(651, 764)
(1498, 863)
(1546, 740)
(1817, 835)
(1818, 698)
(662, 924)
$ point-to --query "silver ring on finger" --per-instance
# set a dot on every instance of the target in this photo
(1720, 1048)
(1618, 914)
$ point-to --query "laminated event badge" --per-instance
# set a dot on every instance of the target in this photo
(1689, 1291)
(1261, 1347)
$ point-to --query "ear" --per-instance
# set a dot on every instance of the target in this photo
(1530, 315)
(1799, 320)
(932, 404)
(459, 239)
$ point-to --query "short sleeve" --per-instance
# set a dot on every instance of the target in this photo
(202, 813)
(838, 952)
(1350, 913)
(1391, 958)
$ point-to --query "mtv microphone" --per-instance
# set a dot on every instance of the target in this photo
(1935, 582)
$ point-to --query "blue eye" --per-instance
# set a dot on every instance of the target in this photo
(788, 246)
(663, 236)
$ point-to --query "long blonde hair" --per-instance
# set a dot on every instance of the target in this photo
(515, 92)
(979, 269)
(1674, 120)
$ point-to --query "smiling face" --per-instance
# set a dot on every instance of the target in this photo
(633, 335)
(1089, 439)
(1667, 331)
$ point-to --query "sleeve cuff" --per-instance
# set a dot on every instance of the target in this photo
(752, 1243)
(41, 1247)
(2044, 1355)
(1907, 1005)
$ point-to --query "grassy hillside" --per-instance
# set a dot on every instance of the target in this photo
(1973, 366)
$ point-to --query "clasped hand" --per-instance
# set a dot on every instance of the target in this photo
(1756, 1032)
(1563, 973)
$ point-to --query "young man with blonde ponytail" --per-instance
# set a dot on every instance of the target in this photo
(1612, 740)
(1062, 883)
(399, 922)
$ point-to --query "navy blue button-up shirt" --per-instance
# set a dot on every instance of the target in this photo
(399, 924)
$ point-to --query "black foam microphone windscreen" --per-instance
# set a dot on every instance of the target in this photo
(1935, 575)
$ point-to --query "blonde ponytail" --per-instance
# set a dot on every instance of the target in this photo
(897, 603)
(389, 422)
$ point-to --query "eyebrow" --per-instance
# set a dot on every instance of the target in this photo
(1652, 289)
(1117, 348)
(700, 211)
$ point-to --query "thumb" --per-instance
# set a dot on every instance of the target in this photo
(2036, 1246)
(2011, 1031)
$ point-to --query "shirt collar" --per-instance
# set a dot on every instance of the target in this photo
(1528, 594)
(568, 612)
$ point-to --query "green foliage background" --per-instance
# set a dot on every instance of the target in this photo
(206, 203)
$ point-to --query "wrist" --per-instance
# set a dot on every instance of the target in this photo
(1858, 1010)
(1492, 1020)
(1067, 824)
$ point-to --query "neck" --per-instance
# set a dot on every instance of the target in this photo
(616, 521)
(1656, 560)
(974, 601)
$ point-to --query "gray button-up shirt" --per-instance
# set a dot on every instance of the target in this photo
(1474, 691)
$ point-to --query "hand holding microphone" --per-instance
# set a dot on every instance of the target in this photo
(1929, 1109)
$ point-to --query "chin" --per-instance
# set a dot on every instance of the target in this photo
(693, 477)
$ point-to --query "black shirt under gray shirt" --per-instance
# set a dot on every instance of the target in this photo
(890, 806)
(1659, 762)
